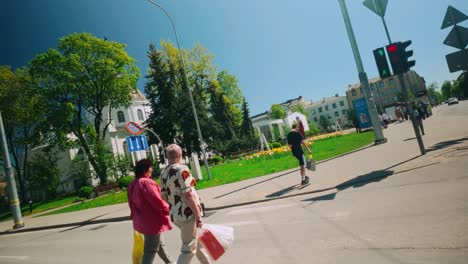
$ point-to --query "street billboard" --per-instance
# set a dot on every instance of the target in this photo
(362, 113)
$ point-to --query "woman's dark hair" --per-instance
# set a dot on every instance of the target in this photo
(142, 166)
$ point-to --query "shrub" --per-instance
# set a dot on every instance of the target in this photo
(86, 192)
(125, 181)
(216, 159)
(276, 145)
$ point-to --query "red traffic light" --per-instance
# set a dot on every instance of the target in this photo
(392, 48)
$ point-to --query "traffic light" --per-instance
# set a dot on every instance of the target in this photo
(382, 64)
(399, 56)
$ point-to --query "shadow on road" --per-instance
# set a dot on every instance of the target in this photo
(357, 182)
(251, 185)
(446, 144)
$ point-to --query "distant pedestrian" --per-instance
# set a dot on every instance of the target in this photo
(399, 114)
(405, 113)
(30, 207)
(425, 113)
(417, 115)
(386, 119)
(149, 212)
(178, 189)
(296, 142)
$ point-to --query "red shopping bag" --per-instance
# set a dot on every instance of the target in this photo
(211, 244)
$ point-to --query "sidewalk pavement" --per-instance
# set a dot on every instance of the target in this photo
(400, 154)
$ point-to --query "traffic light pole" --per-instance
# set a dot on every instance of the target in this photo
(11, 183)
(386, 30)
(410, 109)
(379, 137)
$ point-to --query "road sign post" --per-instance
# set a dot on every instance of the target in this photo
(136, 143)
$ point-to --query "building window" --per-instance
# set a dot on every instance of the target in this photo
(390, 81)
(344, 112)
(315, 119)
(337, 114)
(120, 117)
(140, 115)
(341, 103)
(381, 84)
(353, 92)
(320, 109)
(334, 105)
(326, 107)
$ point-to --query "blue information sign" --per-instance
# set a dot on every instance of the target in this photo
(136, 143)
(362, 113)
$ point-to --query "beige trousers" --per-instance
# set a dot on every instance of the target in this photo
(190, 245)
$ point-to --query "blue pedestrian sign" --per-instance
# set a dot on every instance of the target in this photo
(136, 143)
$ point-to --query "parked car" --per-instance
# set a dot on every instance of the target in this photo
(452, 101)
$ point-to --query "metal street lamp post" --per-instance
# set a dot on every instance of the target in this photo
(12, 192)
(202, 143)
(379, 137)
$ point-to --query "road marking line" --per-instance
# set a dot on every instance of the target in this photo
(259, 209)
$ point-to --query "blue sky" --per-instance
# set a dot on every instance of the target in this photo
(277, 49)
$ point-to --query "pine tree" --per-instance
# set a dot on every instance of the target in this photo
(247, 130)
(162, 97)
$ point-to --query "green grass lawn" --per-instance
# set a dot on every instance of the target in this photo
(246, 169)
(116, 198)
(41, 207)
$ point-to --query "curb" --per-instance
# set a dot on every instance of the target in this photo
(76, 224)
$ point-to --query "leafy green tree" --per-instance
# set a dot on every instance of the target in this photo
(277, 112)
(298, 108)
(352, 117)
(324, 122)
(230, 87)
(122, 165)
(44, 175)
(222, 112)
(446, 90)
(434, 94)
(23, 110)
(80, 80)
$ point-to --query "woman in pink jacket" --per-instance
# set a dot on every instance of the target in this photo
(149, 213)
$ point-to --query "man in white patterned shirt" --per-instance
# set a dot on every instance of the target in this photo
(178, 190)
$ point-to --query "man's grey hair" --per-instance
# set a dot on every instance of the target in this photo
(174, 152)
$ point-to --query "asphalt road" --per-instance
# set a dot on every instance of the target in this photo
(419, 216)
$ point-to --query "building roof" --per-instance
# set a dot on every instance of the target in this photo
(357, 85)
(287, 104)
(258, 115)
(137, 94)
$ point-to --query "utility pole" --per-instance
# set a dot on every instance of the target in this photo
(11, 183)
(379, 137)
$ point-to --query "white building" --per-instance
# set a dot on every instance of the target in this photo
(334, 108)
(116, 134)
(137, 112)
(266, 126)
